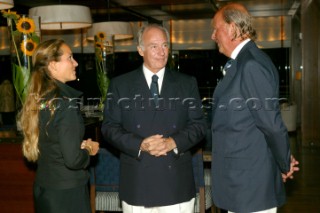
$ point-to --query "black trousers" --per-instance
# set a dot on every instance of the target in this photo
(74, 200)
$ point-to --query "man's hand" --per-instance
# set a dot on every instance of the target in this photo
(157, 145)
(293, 168)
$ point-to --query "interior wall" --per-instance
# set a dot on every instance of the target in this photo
(310, 22)
(193, 34)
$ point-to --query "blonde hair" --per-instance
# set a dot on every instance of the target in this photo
(41, 84)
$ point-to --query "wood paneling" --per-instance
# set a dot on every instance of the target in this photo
(310, 22)
(303, 191)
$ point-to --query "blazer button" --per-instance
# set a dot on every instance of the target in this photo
(169, 167)
(138, 126)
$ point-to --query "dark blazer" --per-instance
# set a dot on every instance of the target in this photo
(62, 164)
(250, 141)
(130, 116)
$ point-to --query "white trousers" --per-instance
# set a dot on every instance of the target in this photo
(185, 207)
(273, 210)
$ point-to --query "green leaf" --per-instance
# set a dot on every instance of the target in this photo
(16, 33)
(35, 38)
(21, 78)
(103, 83)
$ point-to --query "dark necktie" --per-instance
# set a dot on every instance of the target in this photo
(154, 89)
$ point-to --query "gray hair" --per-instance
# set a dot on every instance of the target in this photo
(239, 15)
(148, 26)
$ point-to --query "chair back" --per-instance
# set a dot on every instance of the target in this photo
(105, 170)
(198, 169)
(104, 181)
(198, 173)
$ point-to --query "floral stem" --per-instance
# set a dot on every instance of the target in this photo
(29, 66)
(9, 20)
(13, 41)
(19, 96)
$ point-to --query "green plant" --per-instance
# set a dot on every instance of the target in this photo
(24, 40)
(101, 50)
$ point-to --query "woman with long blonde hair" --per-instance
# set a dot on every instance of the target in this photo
(53, 131)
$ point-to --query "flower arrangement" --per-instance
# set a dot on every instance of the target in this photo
(102, 48)
(24, 40)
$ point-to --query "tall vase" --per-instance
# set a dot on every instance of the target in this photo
(104, 63)
(24, 34)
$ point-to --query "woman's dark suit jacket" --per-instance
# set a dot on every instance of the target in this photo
(250, 141)
(130, 116)
(61, 163)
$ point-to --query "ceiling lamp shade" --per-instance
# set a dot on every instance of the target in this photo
(120, 30)
(6, 4)
(62, 17)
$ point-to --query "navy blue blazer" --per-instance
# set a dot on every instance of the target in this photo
(250, 141)
(130, 116)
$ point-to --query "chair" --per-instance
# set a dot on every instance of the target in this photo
(202, 179)
(104, 182)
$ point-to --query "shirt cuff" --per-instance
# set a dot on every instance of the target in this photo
(175, 150)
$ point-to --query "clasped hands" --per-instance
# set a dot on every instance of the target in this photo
(157, 145)
(91, 146)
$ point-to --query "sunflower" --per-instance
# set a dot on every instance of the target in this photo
(101, 35)
(26, 25)
(28, 46)
(10, 14)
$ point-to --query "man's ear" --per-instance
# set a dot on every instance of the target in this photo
(140, 51)
(234, 31)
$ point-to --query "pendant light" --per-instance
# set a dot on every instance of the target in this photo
(62, 17)
(6, 4)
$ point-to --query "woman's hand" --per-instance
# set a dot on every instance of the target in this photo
(91, 146)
